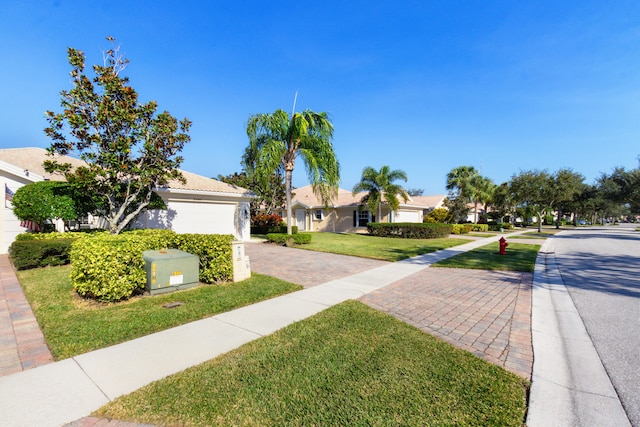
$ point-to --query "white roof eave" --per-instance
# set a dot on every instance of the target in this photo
(19, 172)
(248, 195)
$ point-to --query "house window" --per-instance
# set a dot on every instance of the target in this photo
(363, 218)
(318, 214)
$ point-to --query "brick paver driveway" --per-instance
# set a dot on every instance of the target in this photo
(485, 312)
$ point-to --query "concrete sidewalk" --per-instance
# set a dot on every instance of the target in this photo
(61, 392)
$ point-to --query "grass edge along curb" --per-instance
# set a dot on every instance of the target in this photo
(519, 257)
(348, 365)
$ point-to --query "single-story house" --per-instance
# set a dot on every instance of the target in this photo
(343, 214)
(202, 205)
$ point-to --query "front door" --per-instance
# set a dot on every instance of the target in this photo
(301, 219)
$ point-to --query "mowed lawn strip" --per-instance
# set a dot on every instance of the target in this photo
(519, 257)
(349, 365)
(74, 326)
(382, 248)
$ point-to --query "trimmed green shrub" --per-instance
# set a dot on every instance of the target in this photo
(479, 227)
(273, 229)
(289, 240)
(26, 254)
(110, 268)
(409, 230)
(460, 228)
(496, 226)
(214, 251)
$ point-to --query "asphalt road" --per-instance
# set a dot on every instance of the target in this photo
(601, 270)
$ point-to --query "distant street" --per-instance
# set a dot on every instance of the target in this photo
(601, 269)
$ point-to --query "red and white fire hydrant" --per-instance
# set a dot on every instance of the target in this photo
(503, 246)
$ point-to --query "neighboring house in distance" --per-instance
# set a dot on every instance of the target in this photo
(344, 214)
(202, 205)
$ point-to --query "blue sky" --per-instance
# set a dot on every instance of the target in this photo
(420, 86)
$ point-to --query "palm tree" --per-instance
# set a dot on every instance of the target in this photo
(279, 139)
(481, 190)
(460, 181)
(379, 185)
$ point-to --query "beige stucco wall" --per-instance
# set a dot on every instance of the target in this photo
(336, 220)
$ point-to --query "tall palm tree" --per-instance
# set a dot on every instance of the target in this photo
(380, 185)
(466, 183)
(460, 181)
(481, 189)
(279, 139)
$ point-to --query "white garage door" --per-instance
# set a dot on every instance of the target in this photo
(202, 218)
(407, 216)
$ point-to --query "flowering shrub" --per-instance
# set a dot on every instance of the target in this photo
(265, 220)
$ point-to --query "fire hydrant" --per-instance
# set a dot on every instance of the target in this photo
(503, 246)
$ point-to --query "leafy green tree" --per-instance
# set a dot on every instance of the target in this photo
(270, 188)
(458, 208)
(44, 201)
(271, 195)
(380, 188)
(502, 202)
(278, 139)
(566, 185)
(128, 149)
(622, 186)
(532, 190)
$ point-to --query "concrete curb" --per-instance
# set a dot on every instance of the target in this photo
(570, 386)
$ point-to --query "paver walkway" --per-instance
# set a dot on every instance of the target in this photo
(22, 345)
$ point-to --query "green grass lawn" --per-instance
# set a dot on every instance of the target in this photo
(73, 326)
(519, 257)
(383, 248)
(349, 365)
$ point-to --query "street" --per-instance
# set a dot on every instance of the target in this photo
(601, 270)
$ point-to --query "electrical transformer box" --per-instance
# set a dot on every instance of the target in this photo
(170, 269)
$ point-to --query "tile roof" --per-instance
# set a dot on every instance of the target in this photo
(305, 196)
(32, 158)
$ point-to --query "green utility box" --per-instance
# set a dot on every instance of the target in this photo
(170, 269)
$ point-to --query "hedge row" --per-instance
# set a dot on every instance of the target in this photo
(409, 230)
(50, 236)
(26, 254)
(110, 268)
(286, 239)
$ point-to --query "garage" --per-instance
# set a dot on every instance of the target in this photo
(407, 216)
(201, 217)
